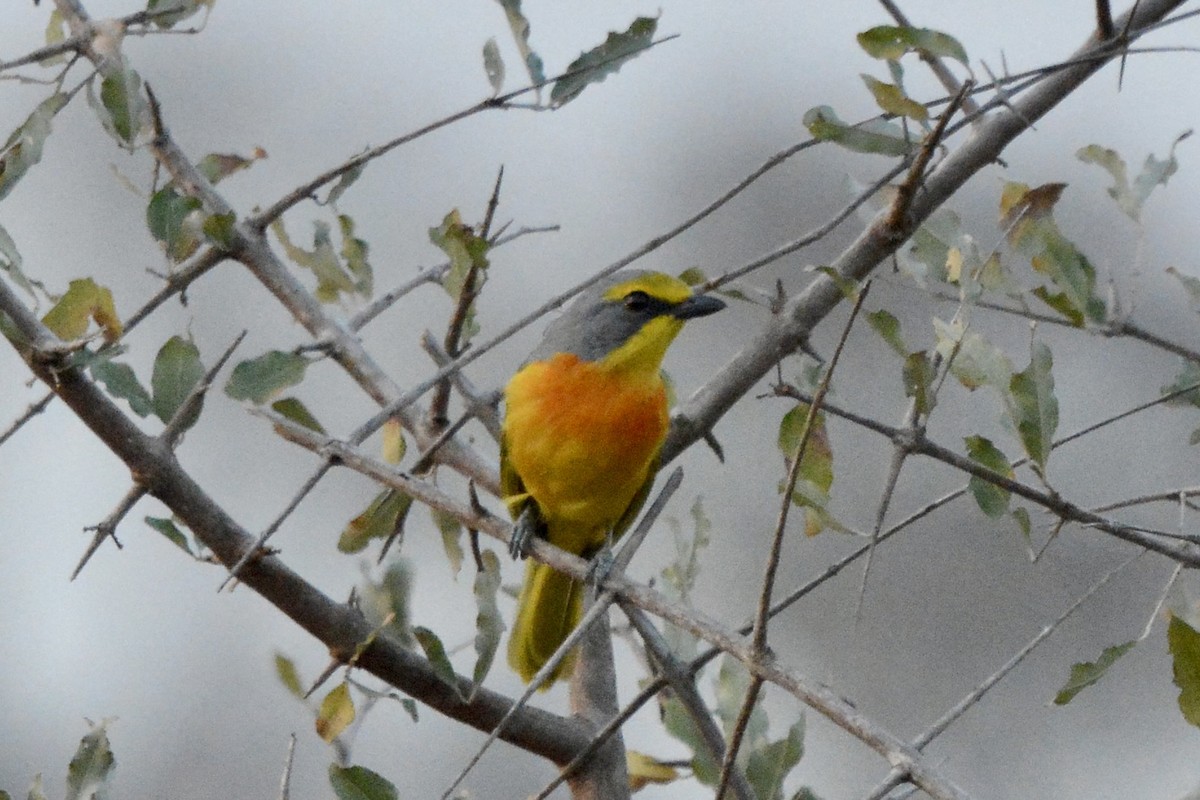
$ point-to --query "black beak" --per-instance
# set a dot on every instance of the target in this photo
(700, 305)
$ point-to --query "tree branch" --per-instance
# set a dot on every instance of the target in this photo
(784, 332)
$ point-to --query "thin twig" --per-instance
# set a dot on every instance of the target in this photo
(481, 406)
(936, 64)
(682, 682)
(107, 528)
(468, 292)
(431, 275)
(1052, 502)
(260, 543)
(598, 609)
(29, 413)
(182, 418)
(285, 780)
(261, 220)
(897, 217)
(939, 727)
(759, 634)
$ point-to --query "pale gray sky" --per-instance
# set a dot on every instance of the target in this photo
(142, 636)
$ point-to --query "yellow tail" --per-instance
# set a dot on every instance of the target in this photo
(547, 611)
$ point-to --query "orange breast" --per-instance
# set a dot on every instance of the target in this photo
(583, 440)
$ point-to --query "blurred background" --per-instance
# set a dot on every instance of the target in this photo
(143, 637)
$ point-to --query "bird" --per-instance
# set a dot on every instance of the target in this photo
(585, 419)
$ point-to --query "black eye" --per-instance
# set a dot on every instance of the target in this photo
(637, 301)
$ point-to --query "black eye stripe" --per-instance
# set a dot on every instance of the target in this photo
(641, 303)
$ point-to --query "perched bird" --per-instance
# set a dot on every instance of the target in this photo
(585, 419)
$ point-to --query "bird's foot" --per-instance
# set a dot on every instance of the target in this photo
(601, 565)
(526, 527)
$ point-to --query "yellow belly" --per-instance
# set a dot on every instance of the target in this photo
(583, 440)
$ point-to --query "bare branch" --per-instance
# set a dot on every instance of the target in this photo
(29, 413)
(107, 528)
(939, 727)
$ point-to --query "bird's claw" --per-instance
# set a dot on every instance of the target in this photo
(600, 567)
(524, 529)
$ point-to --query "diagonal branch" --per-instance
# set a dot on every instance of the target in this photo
(784, 332)
(340, 627)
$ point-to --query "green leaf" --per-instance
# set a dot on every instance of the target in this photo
(520, 30)
(493, 65)
(91, 767)
(598, 63)
(291, 408)
(1183, 641)
(175, 222)
(925, 258)
(381, 519)
(435, 651)
(1027, 217)
(873, 136)
(918, 375)
(888, 328)
(1021, 517)
(731, 684)
(360, 783)
(336, 712)
(891, 42)
(1033, 407)
(169, 529)
(815, 477)
(127, 110)
(467, 251)
(489, 623)
(83, 302)
(219, 229)
(322, 261)
(1190, 284)
(354, 253)
(679, 724)
(386, 603)
(1189, 376)
(56, 33)
(680, 575)
(345, 182)
(1086, 673)
(892, 99)
(168, 13)
(177, 371)
(768, 765)
(285, 670)
(977, 361)
(121, 382)
(218, 166)
(992, 500)
(451, 530)
(261, 379)
(36, 790)
(10, 264)
(23, 148)
(1131, 197)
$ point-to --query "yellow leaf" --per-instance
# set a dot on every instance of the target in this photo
(954, 265)
(85, 300)
(644, 770)
(337, 712)
(393, 441)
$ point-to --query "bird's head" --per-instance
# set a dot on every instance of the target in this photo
(626, 321)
